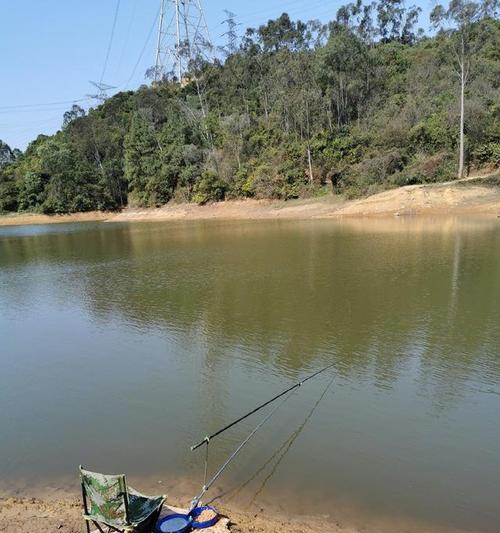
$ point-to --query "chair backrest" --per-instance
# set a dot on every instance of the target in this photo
(106, 497)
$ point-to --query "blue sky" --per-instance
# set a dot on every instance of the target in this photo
(52, 48)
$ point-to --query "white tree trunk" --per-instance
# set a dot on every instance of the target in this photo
(462, 91)
(310, 165)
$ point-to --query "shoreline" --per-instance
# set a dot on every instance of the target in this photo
(23, 514)
(468, 197)
(62, 510)
(56, 505)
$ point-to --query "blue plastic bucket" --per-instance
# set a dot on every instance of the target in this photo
(197, 512)
(174, 523)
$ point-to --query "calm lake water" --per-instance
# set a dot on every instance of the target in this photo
(123, 344)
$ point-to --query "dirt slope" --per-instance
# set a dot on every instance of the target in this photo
(478, 195)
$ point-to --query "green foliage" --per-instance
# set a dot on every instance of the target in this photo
(7, 155)
(208, 188)
(150, 177)
(488, 154)
(9, 196)
(32, 193)
(432, 134)
(363, 103)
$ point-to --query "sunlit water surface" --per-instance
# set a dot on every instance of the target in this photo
(123, 344)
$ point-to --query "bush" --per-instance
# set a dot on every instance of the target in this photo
(8, 196)
(208, 188)
(32, 191)
(433, 133)
(488, 154)
(425, 169)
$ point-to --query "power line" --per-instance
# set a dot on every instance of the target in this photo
(33, 111)
(110, 40)
(296, 8)
(23, 106)
(148, 38)
(127, 35)
(101, 96)
(25, 126)
(281, 7)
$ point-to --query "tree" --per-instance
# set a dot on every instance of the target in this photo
(7, 155)
(75, 112)
(150, 169)
(282, 33)
(461, 15)
(361, 102)
(395, 22)
(342, 72)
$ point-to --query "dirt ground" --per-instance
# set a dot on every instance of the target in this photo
(470, 196)
(26, 515)
(64, 514)
(34, 218)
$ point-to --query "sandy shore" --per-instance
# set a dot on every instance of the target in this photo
(34, 218)
(64, 513)
(471, 196)
(25, 515)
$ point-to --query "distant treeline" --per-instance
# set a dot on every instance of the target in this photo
(365, 102)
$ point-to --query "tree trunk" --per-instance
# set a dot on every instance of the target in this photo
(462, 91)
(309, 160)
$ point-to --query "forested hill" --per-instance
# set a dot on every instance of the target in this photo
(363, 103)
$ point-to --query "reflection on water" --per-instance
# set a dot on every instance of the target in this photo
(124, 344)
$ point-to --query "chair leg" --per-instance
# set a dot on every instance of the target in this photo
(99, 527)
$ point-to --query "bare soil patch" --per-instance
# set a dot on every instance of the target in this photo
(477, 195)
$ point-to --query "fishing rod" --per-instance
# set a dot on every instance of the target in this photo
(280, 452)
(258, 408)
(196, 500)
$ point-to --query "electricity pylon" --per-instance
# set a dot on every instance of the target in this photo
(102, 95)
(182, 36)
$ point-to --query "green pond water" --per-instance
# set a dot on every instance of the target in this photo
(123, 344)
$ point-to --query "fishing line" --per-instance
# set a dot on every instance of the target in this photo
(287, 448)
(207, 439)
(206, 487)
(283, 450)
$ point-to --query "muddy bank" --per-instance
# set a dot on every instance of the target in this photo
(471, 196)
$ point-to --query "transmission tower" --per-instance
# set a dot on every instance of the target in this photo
(102, 95)
(182, 36)
(231, 33)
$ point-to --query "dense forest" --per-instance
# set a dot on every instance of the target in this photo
(366, 102)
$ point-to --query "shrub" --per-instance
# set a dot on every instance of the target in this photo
(8, 196)
(488, 154)
(425, 169)
(209, 188)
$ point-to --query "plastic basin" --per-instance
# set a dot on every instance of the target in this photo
(197, 512)
(174, 523)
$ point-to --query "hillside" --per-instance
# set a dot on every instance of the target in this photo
(470, 196)
(363, 104)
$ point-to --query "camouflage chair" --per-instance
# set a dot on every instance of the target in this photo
(108, 501)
